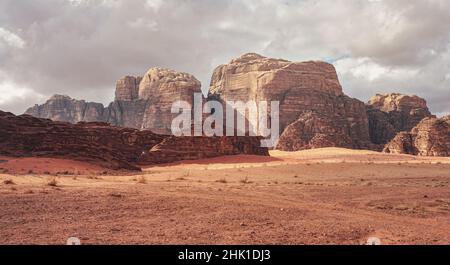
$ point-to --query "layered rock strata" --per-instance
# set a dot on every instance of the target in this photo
(305, 90)
(109, 146)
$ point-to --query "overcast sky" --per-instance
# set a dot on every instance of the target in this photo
(80, 48)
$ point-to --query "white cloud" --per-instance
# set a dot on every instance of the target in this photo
(11, 39)
(12, 96)
(81, 48)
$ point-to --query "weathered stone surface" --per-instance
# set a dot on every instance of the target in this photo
(181, 148)
(110, 146)
(314, 130)
(100, 143)
(127, 88)
(64, 108)
(126, 113)
(300, 88)
(431, 137)
(140, 102)
(391, 113)
(161, 88)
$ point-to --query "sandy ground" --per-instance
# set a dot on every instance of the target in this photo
(322, 196)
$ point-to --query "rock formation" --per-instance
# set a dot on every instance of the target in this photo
(306, 91)
(64, 108)
(127, 88)
(140, 102)
(110, 146)
(161, 88)
(314, 111)
(391, 113)
(181, 148)
(431, 137)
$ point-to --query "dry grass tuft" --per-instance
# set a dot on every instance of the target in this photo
(222, 180)
(52, 182)
(245, 181)
(142, 180)
(9, 182)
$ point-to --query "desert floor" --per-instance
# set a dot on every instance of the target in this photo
(322, 196)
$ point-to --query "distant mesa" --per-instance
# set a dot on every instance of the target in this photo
(314, 111)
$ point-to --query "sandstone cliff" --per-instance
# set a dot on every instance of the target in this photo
(431, 137)
(110, 146)
(391, 113)
(140, 102)
(306, 91)
(160, 88)
(64, 108)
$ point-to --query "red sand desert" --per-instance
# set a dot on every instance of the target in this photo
(321, 196)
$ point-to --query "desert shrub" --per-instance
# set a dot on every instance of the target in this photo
(52, 182)
(142, 180)
(222, 180)
(245, 181)
(8, 182)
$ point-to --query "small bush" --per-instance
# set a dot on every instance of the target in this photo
(245, 181)
(142, 180)
(222, 180)
(8, 182)
(52, 182)
(115, 195)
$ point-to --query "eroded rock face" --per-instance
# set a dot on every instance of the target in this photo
(391, 113)
(431, 137)
(300, 88)
(110, 146)
(64, 108)
(314, 130)
(140, 102)
(127, 88)
(99, 143)
(196, 147)
(161, 88)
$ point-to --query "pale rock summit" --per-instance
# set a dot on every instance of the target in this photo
(310, 96)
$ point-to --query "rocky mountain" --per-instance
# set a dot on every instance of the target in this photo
(314, 112)
(392, 113)
(140, 102)
(431, 137)
(110, 146)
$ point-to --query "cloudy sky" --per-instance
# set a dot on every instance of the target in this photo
(80, 48)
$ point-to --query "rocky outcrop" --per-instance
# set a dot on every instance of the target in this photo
(181, 148)
(431, 137)
(160, 88)
(127, 88)
(140, 102)
(64, 108)
(391, 113)
(109, 146)
(314, 130)
(302, 89)
(100, 143)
